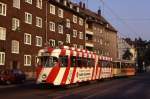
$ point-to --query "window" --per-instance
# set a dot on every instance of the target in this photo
(15, 24)
(3, 9)
(27, 38)
(15, 46)
(2, 33)
(60, 43)
(39, 4)
(60, 13)
(73, 61)
(81, 46)
(39, 22)
(101, 42)
(74, 33)
(67, 38)
(60, 29)
(63, 61)
(52, 42)
(81, 21)
(27, 60)
(52, 9)
(75, 45)
(38, 41)
(28, 1)
(16, 4)
(74, 19)
(68, 23)
(80, 35)
(28, 18)
(2, 58)
(52, 26)
(101, 31)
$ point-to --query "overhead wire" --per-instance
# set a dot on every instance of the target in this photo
(118, 17)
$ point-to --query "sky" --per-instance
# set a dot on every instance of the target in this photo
(131, 18)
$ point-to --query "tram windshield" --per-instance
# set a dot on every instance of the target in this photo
(47, 61)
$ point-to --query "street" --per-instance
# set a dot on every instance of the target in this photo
(136, 87)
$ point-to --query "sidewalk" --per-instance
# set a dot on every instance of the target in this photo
(26, 83)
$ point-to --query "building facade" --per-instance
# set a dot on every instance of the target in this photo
(100, 36)
(123, 46)
(28, 25)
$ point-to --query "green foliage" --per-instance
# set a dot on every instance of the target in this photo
(127, 55)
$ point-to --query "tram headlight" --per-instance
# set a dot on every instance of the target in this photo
(44, 76)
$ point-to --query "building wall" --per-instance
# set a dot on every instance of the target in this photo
(25, 49)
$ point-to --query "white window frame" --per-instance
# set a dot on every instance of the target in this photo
(52, 26)
(80, 35)
(3, 8)
(60, 29)
(60, 13)
(15, 24)
(68, 23)
(52, 42)
(39, 41)
(2, 58)
(39, 22)
(15, 46)
(39, 4)
(26, 35)
(67, 38)
(80, 21)
(28, 1)
(52, 9)
(81, 46)
(16, 4)
(75, 33)
(27, 60)
(27, 18)
(2, 33)
(75, 46)
(75, 19)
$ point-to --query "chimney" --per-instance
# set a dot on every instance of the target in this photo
(71, 6)
(99, 12)
(78, 9)
(80, 4)
(65, 2)
(83, 5)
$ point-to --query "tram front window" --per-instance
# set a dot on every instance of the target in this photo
(47, 61)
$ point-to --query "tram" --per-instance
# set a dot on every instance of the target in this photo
(65, 66)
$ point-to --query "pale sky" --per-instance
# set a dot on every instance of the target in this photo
(130, 17)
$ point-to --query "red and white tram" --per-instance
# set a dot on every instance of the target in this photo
(69, 66)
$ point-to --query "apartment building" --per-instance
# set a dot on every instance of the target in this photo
(29, 25)
(100, 36)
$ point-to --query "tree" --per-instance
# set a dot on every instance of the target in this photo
(127, 55)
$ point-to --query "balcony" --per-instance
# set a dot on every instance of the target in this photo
(89, 31)
(89, 43)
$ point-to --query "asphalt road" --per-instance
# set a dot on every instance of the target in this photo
(137, 87)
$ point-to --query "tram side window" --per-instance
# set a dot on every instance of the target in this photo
(122, 65)
(118, 64)
(84, 62)
(63, 61)
(79, 61)
(104, 64)
(73, 61)
(89, 62)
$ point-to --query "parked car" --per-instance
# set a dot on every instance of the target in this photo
(12, 76)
